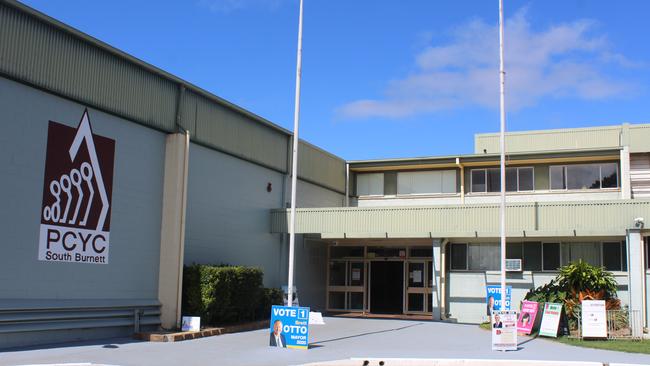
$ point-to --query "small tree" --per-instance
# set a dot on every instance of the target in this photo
(578, 281)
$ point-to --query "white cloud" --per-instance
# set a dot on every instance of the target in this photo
(564, 60)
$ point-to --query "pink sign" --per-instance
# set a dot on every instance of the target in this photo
(527, 316)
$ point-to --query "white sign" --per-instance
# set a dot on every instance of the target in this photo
(594, 319)
(316, 318)
(191, 324)
(504, 330)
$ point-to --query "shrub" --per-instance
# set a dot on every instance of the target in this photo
(226, 294)
(578, 281)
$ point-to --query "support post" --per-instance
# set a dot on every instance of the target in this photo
(436, 267)
(636, 271)
(172, 232)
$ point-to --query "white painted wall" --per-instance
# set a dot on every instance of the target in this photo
(466, 291)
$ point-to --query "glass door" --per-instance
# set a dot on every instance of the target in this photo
(416, 287)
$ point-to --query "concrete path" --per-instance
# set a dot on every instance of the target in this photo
(340, 338)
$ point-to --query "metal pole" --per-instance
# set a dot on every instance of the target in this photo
(294, 162)
(502, 208)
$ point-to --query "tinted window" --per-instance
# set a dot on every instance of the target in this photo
(526, 179)
(551, 253)
(478, 180)
(532, 257)
(346, 252)
(612, 256)
(459, 256)
(609, 174)
(583, 176)
(337, 273)
(511, 180)
(494, 180)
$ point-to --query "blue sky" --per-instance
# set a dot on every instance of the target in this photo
(393, 78)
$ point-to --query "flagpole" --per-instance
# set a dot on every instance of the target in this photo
(294, 163)
(502, 208)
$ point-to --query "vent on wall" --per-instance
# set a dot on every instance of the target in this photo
(513, 265)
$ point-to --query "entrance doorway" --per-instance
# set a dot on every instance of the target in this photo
(387, 287)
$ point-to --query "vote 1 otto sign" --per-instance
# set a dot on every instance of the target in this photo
(289, 327)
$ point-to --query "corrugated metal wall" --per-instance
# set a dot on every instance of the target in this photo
(39, 51)
(639, 138)
(39, 54)
(530, 141)
(480, 220)
(320, 167)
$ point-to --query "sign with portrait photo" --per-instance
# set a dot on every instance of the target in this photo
(504, 330)
(289, 327)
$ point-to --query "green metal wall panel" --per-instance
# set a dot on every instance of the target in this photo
(40, 51)
(219, 127)
(39, 54)
(530, 141)
(321, 167)
(463, 221)
(639, 138)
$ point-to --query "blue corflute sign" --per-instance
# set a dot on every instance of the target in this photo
(289, 327)
(493, 298)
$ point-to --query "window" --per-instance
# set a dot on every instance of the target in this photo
(484, 257)
(458, 256)
(584, 176)
(337, 252)
(421, 252)
(337, 273)
(489, 180)
(429, 182)
(370, 184)
(478, 180)
(475, 257)
(614, 256)
(532, 260)
(587, 252)
(551, 256)
(558, 177)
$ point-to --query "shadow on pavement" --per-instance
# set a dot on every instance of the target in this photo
(365, 334)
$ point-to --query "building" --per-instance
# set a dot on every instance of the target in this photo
(424, 232)
(116, 173)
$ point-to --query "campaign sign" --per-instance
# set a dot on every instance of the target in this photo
(289, 327)
(527, 316)
(493, 298)
(550, 319)
(594, 319)
(191, 324)
(504, 330)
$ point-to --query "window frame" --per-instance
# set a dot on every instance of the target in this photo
(600, 177)
(383, 188)
(485, 178)
(442, 183)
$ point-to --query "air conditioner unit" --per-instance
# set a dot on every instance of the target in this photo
(513, 265)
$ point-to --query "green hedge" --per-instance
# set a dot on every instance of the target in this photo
(226, 294)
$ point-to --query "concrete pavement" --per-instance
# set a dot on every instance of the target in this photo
(340, 338)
